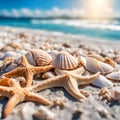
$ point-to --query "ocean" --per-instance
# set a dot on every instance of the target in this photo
(104, 29)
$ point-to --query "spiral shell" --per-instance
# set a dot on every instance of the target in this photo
(65, 61)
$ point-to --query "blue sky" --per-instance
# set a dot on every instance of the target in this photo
(40, 4)
(18, 8)
(44, 4)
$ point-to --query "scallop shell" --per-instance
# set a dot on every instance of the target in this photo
(95, 66)
(37, 57)
(114, 76)
(65, 61)
(101, 82)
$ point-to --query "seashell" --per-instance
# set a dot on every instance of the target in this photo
(37, 57)
(115, 93)
(47, 75)
(115, 76)
(109, 61)
(65, 61)
(101, 82)
(97, 57)
(8, 54)
(11, 67)
(95, 66)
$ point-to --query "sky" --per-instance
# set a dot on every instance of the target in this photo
(37, 8)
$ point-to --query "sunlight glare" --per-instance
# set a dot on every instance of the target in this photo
(97, 8)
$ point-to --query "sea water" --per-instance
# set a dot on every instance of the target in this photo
(103, 29)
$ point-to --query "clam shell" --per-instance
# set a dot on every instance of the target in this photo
(101, 82)
(95, 66)
(114, 76)
(65, 61)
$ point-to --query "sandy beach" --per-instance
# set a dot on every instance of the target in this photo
(20, 40)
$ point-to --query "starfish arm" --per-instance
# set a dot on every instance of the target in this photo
(13, 101)
(24, 61)
(14, 73)
(37, 70)
(49, 83)
(8, 82)
(85, 79)
(72, 88)
(37, 98)
(29, 79)
(80, 71)
(6, 91)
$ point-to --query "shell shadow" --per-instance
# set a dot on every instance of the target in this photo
(114, 103)
(3, 103)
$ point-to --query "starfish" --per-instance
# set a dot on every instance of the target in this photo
(70, 80)
(27, 70)
(17, 94)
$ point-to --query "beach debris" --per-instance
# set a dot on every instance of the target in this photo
(65, 61)
(114, 76)
(94, 65)
(105, 94)
(101, 82)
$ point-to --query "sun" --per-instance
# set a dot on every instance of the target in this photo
(97, 8)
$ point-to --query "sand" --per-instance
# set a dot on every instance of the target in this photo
(20, 41)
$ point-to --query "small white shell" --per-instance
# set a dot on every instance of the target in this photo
(65, 61)
(101, 82)
(114, 76)
(95, 66)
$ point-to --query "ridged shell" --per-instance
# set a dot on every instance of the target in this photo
(114, 76)
(65, 61)
(95, 66)
(38, 57)
(101, 82)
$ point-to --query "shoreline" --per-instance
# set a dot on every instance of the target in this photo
(77, 38)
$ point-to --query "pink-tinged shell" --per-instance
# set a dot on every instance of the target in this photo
(38, 57)
(101, 82)
(65, 61)
(115, 76)
(115, 93)
(48, 74)
(95, 66)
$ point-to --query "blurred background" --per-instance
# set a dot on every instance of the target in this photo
(91, 18)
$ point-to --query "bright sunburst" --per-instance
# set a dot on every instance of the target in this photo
(97, 8)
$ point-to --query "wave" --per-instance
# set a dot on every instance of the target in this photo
(89, 24)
